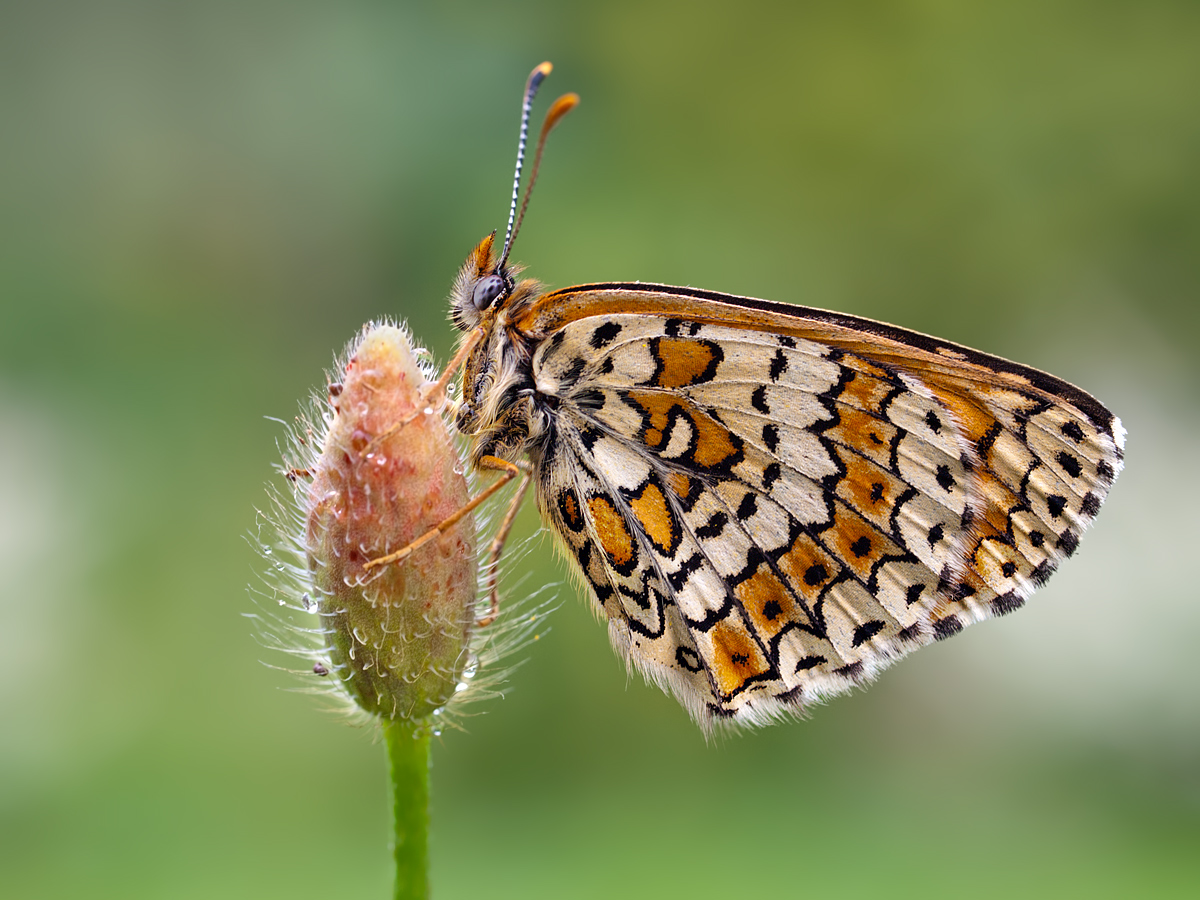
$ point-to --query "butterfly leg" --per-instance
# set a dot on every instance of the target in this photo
(510, 469)
(431, 395)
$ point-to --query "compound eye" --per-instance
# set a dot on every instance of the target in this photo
(486, 291)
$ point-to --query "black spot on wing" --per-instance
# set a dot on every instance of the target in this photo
(770, 436)
(1069, 464)
(947, 627)
(944, 478)
(688, 659)
(1073, 431)
(984, 446)
(604, 335)
(1041, 572)
(853, 671)
(641, 600)
(713, 527)
(589, 436)
(779, 364)
(866, 631)
(1006, 603)
(679, 578)
(771, 474)
(1068, 542)
(815, 574)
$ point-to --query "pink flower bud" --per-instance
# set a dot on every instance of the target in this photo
(396, 635)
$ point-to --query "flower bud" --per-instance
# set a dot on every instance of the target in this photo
(396, 635)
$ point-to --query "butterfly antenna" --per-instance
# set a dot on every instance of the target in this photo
(561, 107)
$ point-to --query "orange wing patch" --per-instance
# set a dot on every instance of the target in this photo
(857, 543)
(685, 488)
(736, 656)
(865, 433)
(807, 566)
(869, 488)
(568, 507)
(869, 386)
(715, 445)
(656, 412)
(652, 513)
(681, 362)
(768, 603)
(613, 533)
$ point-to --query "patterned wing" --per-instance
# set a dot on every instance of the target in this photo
(766, 519)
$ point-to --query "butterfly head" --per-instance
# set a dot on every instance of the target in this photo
(481, 286)
(477, 287)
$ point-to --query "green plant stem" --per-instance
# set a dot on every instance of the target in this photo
(408, 758)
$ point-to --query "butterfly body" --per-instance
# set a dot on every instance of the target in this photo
(770, 503)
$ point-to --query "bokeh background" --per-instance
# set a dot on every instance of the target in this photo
(200, 203)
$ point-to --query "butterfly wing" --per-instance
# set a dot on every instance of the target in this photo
(770, 503)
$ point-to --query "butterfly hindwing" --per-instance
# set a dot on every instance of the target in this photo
(766, 518)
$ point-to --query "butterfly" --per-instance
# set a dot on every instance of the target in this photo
(769, 503)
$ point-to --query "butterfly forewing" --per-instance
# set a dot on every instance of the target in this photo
(771, 503)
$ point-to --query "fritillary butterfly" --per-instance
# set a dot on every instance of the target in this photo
(771, 503)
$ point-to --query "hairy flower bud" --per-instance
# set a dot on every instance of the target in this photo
(397, 635)
(370, 468)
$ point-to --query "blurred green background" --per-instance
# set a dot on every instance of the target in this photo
(201, 203)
